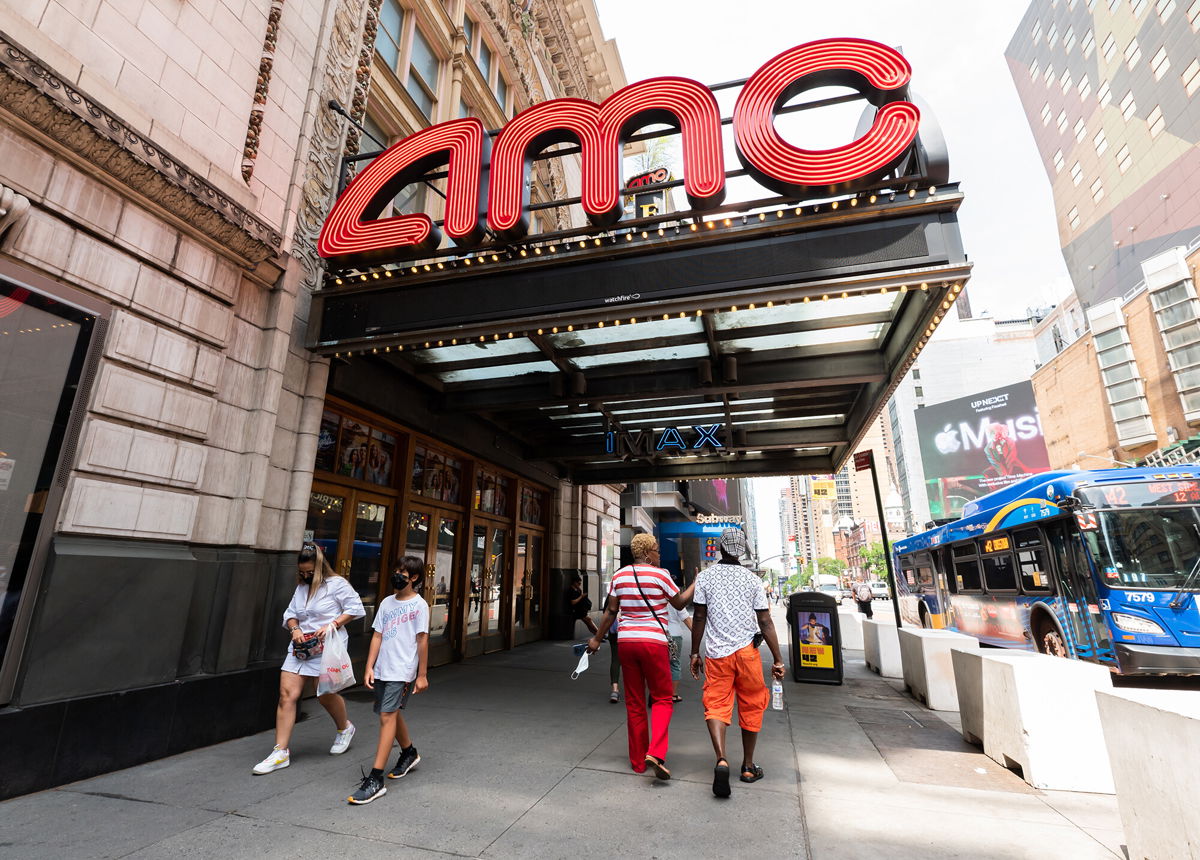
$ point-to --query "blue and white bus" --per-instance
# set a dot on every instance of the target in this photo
(1101, 566)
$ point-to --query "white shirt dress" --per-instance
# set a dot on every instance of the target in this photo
(335, 597)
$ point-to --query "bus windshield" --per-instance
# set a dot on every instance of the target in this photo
(1145, 548)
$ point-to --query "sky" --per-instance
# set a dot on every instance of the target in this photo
(956, 49)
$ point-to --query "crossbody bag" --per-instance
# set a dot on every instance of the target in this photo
(672, 646)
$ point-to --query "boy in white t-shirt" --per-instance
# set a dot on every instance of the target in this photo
(395, 668)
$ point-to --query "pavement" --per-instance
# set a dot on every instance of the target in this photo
(519, 760)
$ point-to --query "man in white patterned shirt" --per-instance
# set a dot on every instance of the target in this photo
(731, 608)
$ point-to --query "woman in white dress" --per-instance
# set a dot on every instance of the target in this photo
(323, 604)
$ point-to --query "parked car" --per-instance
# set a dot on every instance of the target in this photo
(834, 591)
(879, 590)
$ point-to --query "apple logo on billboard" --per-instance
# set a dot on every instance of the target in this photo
(947, 441)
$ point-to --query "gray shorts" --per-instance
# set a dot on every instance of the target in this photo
(391, 696)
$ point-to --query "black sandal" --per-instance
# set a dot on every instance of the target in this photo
(721, 779)
(677, 699)
(751, 774)
(660, 767)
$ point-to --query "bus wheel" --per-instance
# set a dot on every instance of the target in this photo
(926, 621)
(1050, 639)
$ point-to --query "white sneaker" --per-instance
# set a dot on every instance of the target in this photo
(341, 742)
(276, 760)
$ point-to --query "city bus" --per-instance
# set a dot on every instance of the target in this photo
(1101, 566)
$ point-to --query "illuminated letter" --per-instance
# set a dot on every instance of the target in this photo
(671, 439)
(880, 73)
(707, 435)
(351, 234)
(600, 132)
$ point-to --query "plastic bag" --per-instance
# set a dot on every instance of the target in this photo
(336, 672)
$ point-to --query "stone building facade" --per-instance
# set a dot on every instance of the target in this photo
(166, 169)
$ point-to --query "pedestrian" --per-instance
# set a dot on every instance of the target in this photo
(396, 664)
(640, 594)
(732, 617)
(614, 663)
(679, 621)
(322, 605)
(580, 604)
(863, 597)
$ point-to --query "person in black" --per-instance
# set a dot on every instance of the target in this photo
(579, 603)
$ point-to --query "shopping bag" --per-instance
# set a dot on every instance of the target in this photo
(336, 672)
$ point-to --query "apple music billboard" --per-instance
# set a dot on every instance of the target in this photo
(977, 444)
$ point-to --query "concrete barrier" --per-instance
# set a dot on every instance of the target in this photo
(1153, 741)
(851, 624)
(928, 670)
(881, 646)
(1040, 715)
(973, 670)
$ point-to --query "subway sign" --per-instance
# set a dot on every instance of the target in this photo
(488, 182)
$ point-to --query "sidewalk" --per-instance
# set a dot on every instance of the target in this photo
(518, 760)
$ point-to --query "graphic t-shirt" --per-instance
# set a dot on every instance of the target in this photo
(399, 622)
(639, 622)
(732, 594)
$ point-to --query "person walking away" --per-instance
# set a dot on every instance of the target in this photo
(730, 613)
(396, 665)
(863, 597)
(322, 605)
(614, 664)
(640, 594)
(679, 621)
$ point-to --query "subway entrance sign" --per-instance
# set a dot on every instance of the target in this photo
(784, 318)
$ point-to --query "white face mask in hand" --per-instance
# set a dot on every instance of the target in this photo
(582, 667)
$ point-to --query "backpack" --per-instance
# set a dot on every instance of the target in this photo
(863, 593)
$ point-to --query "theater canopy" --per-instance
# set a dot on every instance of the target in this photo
(749, 338)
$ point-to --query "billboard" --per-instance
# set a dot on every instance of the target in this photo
(716, 496)
(825, 489)
(977, 444)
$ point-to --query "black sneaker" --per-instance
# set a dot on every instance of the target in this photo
(407, 761)
(371, 787)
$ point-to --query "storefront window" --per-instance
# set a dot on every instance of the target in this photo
(43, 344)
(492, 493)
(354, 449)
(436, 476)
(533, 506)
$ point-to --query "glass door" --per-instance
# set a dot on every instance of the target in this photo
(527, 588)
(369, 549)
(490, 586)
(433, 536)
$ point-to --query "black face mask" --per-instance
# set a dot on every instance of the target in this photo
(400, 581)
(307, 576)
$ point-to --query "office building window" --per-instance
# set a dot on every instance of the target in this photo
(423, 68)
(1191, 77)
(1133, 53)
(1036, 32)
(1097, 190)
(1160, 63)
(1139, 6)
(469, 33)
(1177, 311)
(1193, 14)
(1069, 39)
(1089, 42)
(387, 37)
(1052, 35)
(484, 59)
(1100, 142)
(1109, 47)
(1165, 8)
(1156, 121)
(1058, 161)
(1046, 114)
(1077, 173)
(502, 92)
(1065, 82)
(1062, 120)
(1080, 131)
(1073, 217)
(1085, 87)
(1124, 159)
(1128, 105)
(1122, 382)
(1033, 70)
(1104, 94)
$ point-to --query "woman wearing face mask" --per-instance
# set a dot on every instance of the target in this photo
(324, 602)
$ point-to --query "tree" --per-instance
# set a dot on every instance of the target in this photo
(658, 153)
(834, 567)
(874, 560)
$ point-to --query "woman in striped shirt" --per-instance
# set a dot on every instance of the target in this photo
(640, 593)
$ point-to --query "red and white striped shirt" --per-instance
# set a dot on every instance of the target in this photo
(638, 623)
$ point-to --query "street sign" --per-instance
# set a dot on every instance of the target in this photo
(863, 460)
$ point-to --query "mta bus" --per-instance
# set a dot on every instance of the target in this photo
(1101, 566)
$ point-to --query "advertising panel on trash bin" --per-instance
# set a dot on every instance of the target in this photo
(816, 642)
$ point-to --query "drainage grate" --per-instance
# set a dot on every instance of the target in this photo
(884, 717)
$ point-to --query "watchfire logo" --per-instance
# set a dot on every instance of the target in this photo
(487, 185)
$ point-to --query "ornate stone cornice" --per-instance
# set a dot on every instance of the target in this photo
(40, 97)
(14, 209)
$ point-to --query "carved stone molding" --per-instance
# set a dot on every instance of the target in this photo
(14, 208)
(339, 79)
(40, 97)
(262, 86)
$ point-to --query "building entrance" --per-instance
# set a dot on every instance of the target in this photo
(488, 622)
(353, 528)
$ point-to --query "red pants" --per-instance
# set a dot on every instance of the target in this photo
(646, 665)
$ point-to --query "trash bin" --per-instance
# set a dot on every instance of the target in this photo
(559, 622)
(816, 638)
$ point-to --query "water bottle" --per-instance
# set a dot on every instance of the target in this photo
(777, 696)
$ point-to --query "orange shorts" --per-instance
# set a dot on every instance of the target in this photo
(738, 676)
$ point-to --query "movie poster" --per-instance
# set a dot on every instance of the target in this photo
(816, 640)
(975, 445)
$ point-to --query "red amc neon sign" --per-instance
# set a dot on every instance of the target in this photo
(489, 185)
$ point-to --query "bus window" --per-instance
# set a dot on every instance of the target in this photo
(1026, 538)
(966, 568)
(924, 568)
(1032, 571)
(998, 572)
